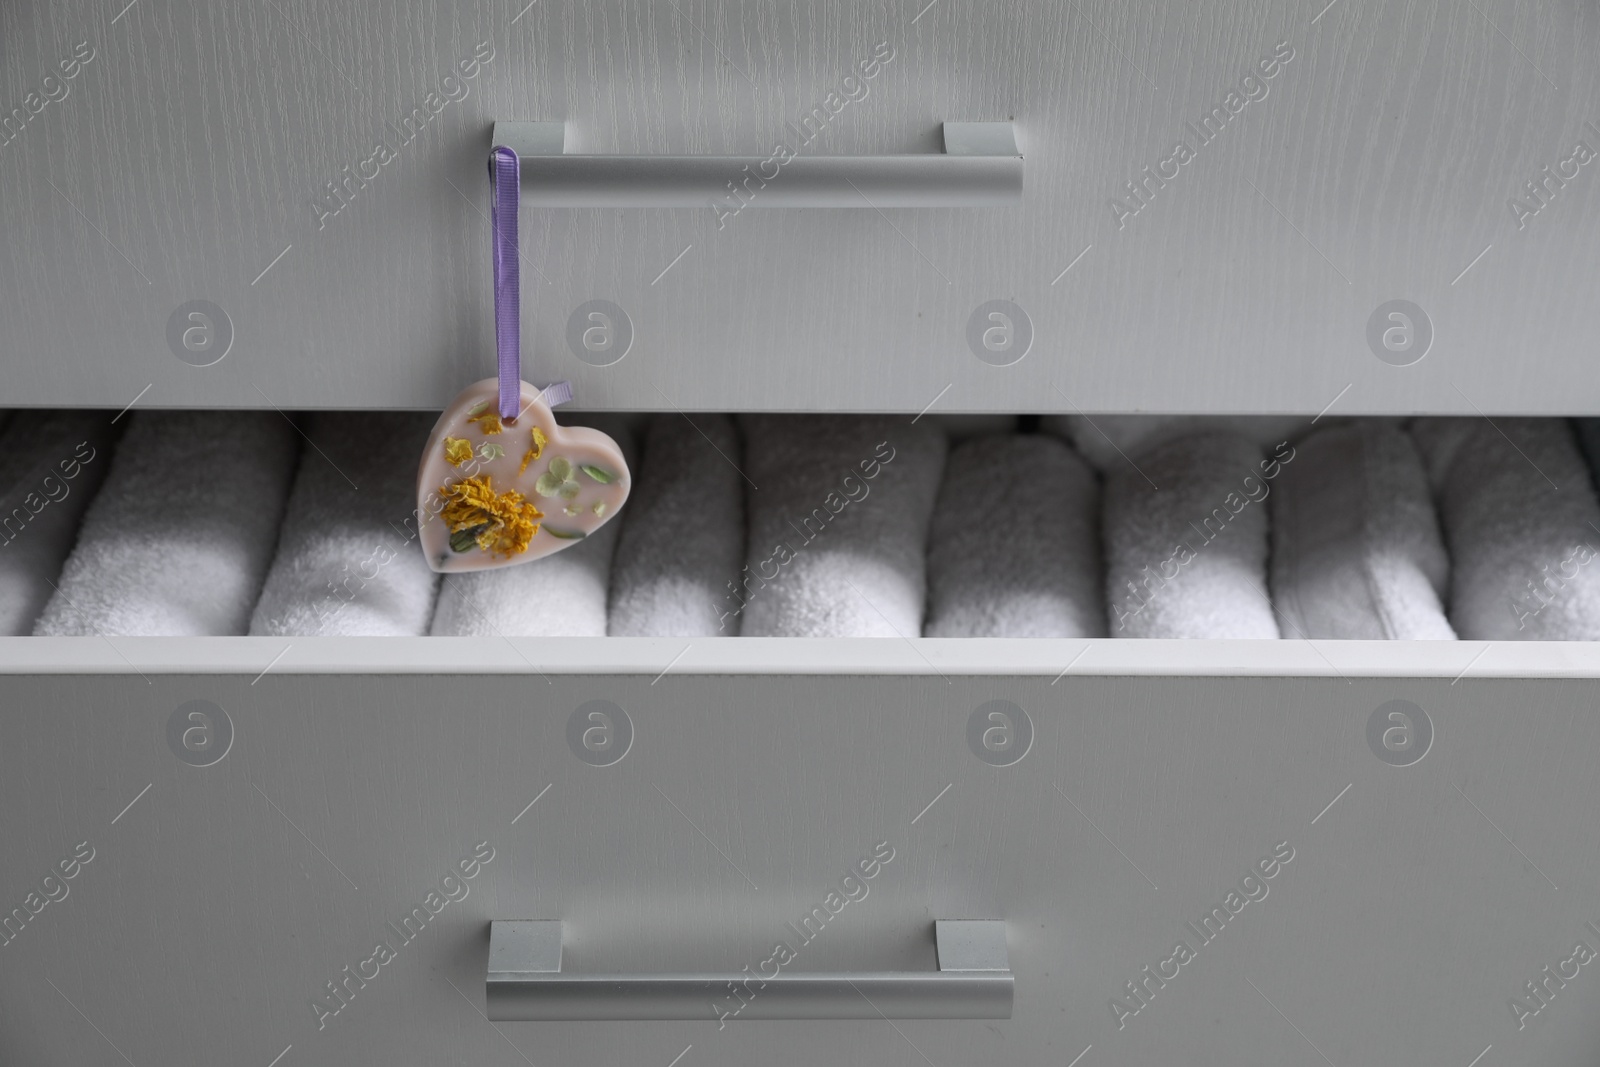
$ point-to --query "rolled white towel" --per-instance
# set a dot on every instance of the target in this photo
(1588, 431)
(51, 464)
(1186, 539)
(1522, 524)
(838, 525)
(958, 428)
(1014, 548)
(177, 541)
(682, 536)
(562, 595)
(1356, 551)
(347, 563)
(1108, 441)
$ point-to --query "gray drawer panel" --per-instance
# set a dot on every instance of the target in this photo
(217, 905)
(1379, 164)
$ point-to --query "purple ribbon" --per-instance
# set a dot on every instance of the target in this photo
(505, 184)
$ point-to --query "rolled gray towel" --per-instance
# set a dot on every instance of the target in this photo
(682, 537)
(561, 595)
(838, 525)
(178, 539)
(958, 428)
(1356, 551)
(348, 564)
(51, 464)
(1588, 431)
(1108, 441)
(1189, 559)
(1014, 548)
(1522, 524)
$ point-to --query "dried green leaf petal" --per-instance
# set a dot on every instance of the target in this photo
(600, 475)
(463, 540)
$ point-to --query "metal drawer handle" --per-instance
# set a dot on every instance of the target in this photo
(525, 983)
(980, 167)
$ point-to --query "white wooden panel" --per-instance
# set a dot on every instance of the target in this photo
(220, 900)
(184, 159)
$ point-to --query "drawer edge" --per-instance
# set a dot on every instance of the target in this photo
(658, 657)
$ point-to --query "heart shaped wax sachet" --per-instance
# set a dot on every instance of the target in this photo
(500, 482)
(493, 492)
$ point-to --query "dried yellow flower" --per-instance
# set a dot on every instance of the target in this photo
(501, 523)
(489, 422)
(457, 450)
(535, 449)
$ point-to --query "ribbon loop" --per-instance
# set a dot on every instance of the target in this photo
(505, 184)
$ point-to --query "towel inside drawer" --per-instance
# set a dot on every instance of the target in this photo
(229, 523)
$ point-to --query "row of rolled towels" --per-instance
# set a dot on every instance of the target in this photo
(215, 523)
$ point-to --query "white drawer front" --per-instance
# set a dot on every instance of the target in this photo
(1419, 899)
(1380, 163)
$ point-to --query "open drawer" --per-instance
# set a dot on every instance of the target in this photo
(294, 846)
(1329, 831)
